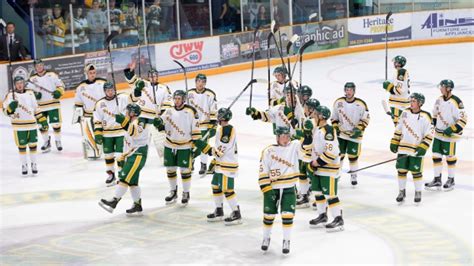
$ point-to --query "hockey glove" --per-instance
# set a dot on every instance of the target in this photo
(448, 131)
(294, 122)
(393, 148)
(250, 111)
(12, 107)
(119, 118)
(298, 134)
(138, 88)
(420, 151)
(99, 139)
(387, 85)
(308, 126)
(158, 123)
(356, 132)
(38, 95)
(57, 94)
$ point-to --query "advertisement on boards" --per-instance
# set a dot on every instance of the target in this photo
(370, 30)
(443, 24)
(195, 55)
(326, 34)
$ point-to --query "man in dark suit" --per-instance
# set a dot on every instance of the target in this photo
(11, 45)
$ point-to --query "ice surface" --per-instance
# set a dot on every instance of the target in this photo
(54, 218)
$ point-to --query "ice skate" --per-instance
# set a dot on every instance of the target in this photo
(434, 185)
(234, 218)
(320, 221)
(109, 205)
(46, 146)
(216, 216)
(59, 146)
(136, 209)
(286, 247)
(185, 199)
(449, 185)
(354, 179)
(110, 181)
(24, 170)
(265, 243)
(336, 225)
(417, 197)
(203, 170)
(172, 197)
(303, 202)
(401, 196)
(34, 169)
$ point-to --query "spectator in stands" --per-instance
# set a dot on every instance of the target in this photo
(97, 24)
(167, 22)
(81, 28)
(153, 18)
(262, 16)
(11, 45)
(116, 17)
(368, 7)
(279, 12)
(219, 10)
(59, 30)
(129, 25)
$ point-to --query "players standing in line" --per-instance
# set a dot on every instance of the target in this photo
(153, 98)
(223, 181)
(133, 159)
(399, 88)
(278, 175)
(204, 101)
(350, 117)
(324, 169)
(411, 140)
(25, 115)
(88, 92)
(182, 131)
(449, 119)
(107, 132)
(48, 89)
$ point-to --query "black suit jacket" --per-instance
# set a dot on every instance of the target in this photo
(17, 51)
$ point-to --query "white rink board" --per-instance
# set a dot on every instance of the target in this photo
(54, 218)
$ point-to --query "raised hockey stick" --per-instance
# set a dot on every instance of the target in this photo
(185, 75)
(108, 40)
(253, 64)
(10, 73)
(377, 164)
(386, 43)
(300, 55)
(288, 47)
(275, 28)
(269, 39)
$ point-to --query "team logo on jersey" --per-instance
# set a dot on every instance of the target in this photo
(103, 105)
(329, 136)
(225, 139)
(401, 77)
(461, 105)
(340, 105)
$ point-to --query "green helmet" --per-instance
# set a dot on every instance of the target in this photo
(350, 85)
(224, 114)
(288, 88)
(447, 83)
(305, 91)
(400, 59)
(324, 111)
(108, 85)
(133, 108)
(38, 61)
(282, 131)
(18, 78)
(201, 77)
(313, 103)
(280, 69)
(152, 72)
(180, 93)
(419, 97)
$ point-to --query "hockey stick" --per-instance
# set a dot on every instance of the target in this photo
(41, 87)
(269, 39)
(288, 47)
(185, 75)
(253, 63)
(108, 40)
(377, 164)
(138, 43)
(300, 55)
(230, 105)
(274, 28)
(11, 75)
(386, 43)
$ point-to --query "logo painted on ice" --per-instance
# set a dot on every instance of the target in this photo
(437, 22)
(189, 52)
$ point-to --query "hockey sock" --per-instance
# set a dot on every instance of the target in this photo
(218, 196)
(204, 158)
(402, 179)
(353, 163)
(287, 221)
(171, 173)
(451, 160)
(33, 152)
(109, 161)
(334, 206)
(321, 203)
(22, 150)
(304, 186)
(418, 180)
(120, 190)
(186, 177)
(136, 193)
(231, 198)
(267, 224)
(437, 164)
(45, 135)
(57, 132)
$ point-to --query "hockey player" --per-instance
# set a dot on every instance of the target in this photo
(449, 121)
(399, 88)
(182, 131)
(48, 89)
(350, 117)
(25, 116)
(153, 98)
(304, 94)
(225, 152)
(324, 170)
(411, 140)
(278, 86)
(278, 175)
(283, 115)
(88, 92)
(204, 101)
(134, 159)
(107, 132)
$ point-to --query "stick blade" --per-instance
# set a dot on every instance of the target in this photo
(290, 43)
(388, 15)
(274, 26)
(179, 63)
(312, 16)
(109, 38)
(306, 45)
